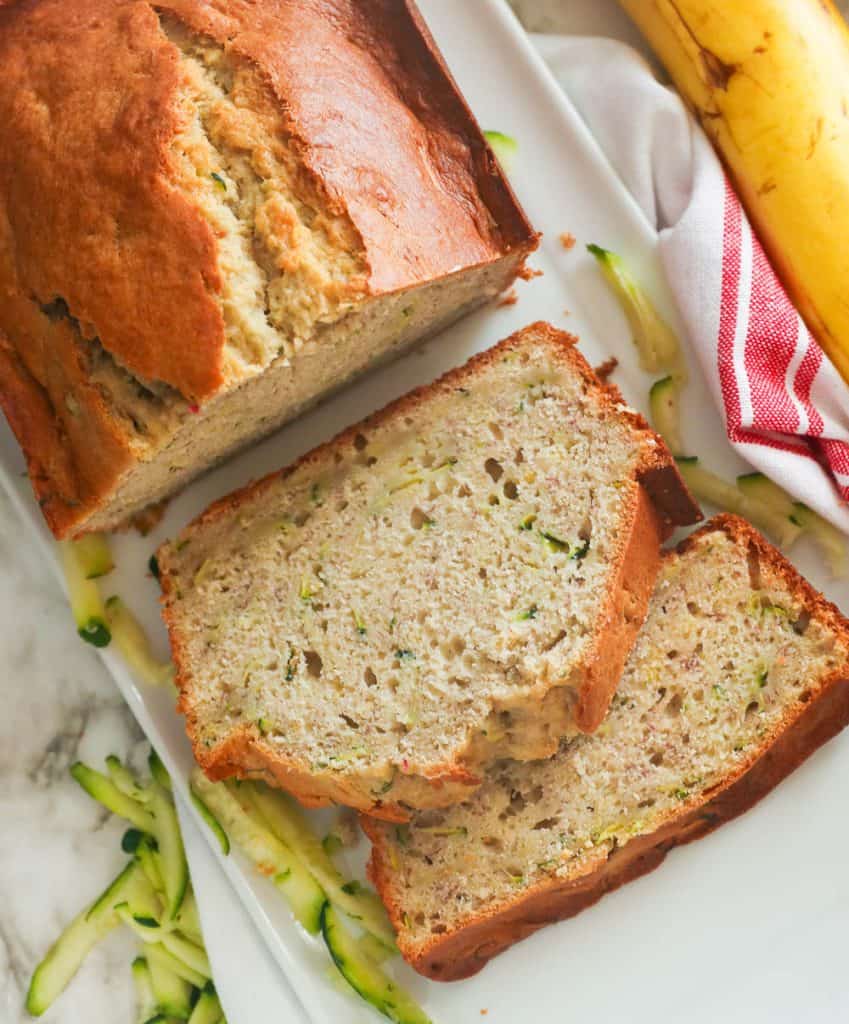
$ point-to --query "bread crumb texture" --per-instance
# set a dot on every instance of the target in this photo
(287, 262)
(730, 652)
(423, 594)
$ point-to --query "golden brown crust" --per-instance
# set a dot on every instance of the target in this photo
(821, 713)
(71, 444)
(626, 606)
(87, 111)
(626, 602)
(245, 755)
(658, 473)
(90, 212)
(434, 200)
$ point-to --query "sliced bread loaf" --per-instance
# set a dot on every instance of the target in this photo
(458, 578)
(740, 672)
(212, 214)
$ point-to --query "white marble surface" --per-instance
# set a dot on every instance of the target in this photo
(57, 850)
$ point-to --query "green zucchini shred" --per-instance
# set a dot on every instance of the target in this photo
(553, 542)
(581, 551)
(67, 953)
(133, 644)
(656, 343)
(364, 975)
(504, 146)
(665, 405)
(84, 595)
(278, 812)
(210, 820)
(331, 844)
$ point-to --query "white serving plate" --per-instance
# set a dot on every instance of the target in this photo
(748, 924)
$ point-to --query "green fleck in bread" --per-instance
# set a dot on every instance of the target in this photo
(738, 674)
(456, 579)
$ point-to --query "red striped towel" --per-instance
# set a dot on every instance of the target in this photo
(778, 388)
(786, 409)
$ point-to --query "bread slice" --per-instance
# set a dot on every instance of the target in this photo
(739, 673)
(211, 215)
(456, 579)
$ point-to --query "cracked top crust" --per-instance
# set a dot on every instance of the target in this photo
(182, 171)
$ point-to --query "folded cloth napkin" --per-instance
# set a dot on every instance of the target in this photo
(786, 408)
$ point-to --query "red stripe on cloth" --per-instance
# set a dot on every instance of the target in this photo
(770, 345)
(740, 436)
(775, 338)
(837, 454)
(808, 369)
(728, 312)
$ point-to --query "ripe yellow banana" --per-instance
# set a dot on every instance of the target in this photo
(769, 81)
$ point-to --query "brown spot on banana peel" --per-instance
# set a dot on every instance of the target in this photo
(717, 73)
(764, 46)
(815, 138)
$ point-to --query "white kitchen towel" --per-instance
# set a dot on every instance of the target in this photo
(786, 409)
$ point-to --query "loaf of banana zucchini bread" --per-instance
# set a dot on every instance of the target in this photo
(213, 214)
